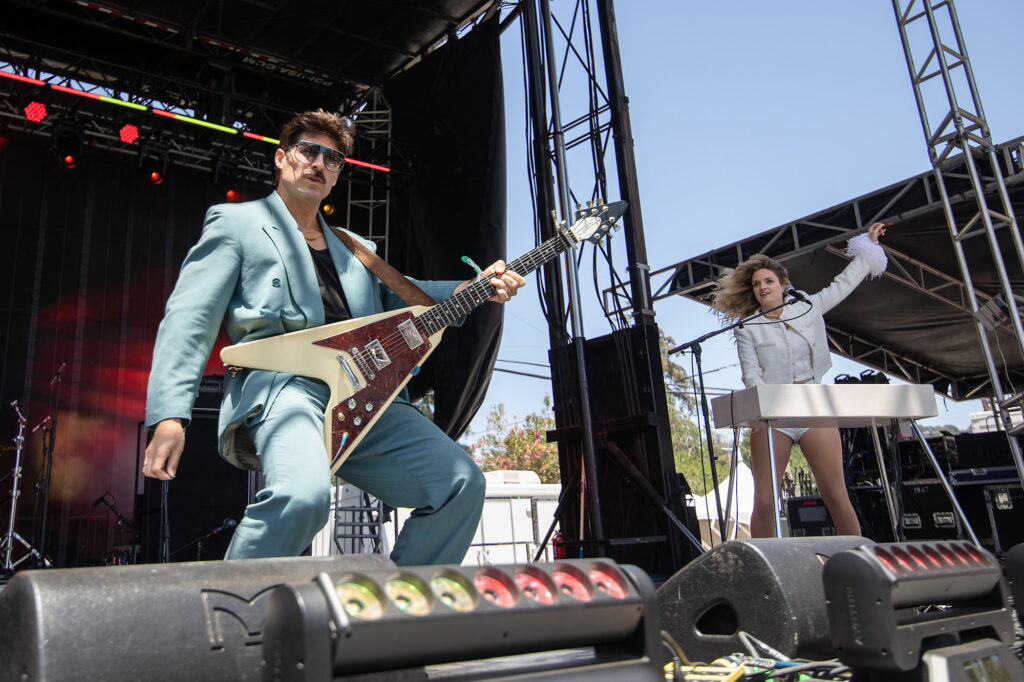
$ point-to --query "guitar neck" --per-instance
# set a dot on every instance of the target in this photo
(460, 304)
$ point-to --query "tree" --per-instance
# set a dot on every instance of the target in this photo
(518, 445)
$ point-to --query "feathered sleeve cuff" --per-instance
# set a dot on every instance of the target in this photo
(861, 246)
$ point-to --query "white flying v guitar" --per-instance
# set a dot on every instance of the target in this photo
(368, 360)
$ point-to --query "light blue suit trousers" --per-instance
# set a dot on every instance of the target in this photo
(423, 469)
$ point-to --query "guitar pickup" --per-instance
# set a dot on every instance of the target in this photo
(411, 335)
(377, 353)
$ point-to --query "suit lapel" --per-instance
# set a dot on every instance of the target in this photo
(355, 279)
(298, 265)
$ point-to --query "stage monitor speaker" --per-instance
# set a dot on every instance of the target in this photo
(203, 502)
(767, 587)
(188, 621)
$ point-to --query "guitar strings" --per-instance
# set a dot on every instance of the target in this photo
(475, 294)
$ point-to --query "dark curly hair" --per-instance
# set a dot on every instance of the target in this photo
(319, 122)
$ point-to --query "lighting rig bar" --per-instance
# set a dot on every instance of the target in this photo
(163, 113)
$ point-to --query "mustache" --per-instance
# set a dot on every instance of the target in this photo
(313, 173)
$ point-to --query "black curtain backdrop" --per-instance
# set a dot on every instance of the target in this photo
(90, 254)
(448, 122)
(88, 258)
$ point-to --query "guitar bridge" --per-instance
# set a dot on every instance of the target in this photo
(363, 364)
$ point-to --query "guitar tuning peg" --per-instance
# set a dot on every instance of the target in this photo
(590, 204)
(600, 200)
(579, 207)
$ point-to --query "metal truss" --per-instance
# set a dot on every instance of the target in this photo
(916, 196)
(944, 80)
(250, 161)
(368, 205)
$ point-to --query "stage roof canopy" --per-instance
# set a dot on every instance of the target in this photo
(292, 54)
(914, 322)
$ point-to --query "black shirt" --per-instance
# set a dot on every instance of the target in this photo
(335, 309)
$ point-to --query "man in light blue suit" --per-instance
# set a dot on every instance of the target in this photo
(269, 267)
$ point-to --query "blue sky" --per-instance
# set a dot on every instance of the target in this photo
(745, 116)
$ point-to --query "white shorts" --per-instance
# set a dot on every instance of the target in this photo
(794, 432)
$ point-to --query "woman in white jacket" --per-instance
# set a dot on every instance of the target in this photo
(789, 347)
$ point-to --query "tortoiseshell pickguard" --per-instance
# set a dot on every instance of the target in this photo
(378, 392)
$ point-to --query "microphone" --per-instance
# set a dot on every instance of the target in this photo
(100, 499)
(228, 523)
(60, 369)
(797, 296)
(42, 424)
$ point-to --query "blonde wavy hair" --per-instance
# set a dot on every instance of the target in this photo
(733, 296)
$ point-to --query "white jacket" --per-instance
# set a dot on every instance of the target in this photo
(764, 354)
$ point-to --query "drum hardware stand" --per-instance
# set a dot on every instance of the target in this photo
(11, 536)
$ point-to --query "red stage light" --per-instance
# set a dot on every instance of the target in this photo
(156, 177)
(35, 111)
(233, 196)
(69, 161)
(128, 133)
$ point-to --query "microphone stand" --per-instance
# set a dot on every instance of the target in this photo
(7, 544)
(695, 347)
(123, 524)
(198, 542)
(49, 443)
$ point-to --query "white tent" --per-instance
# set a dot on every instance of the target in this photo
(742, 505)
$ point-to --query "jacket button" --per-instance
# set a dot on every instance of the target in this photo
(276, 282)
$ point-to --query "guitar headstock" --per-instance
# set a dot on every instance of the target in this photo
(595, 220)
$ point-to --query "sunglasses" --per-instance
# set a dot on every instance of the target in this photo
(309, 151)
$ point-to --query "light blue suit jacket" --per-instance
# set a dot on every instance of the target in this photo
(251, 268)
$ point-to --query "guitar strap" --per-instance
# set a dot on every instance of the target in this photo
(396, 281)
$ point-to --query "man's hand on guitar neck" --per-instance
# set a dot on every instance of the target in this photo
(505, 282)
(164, 450)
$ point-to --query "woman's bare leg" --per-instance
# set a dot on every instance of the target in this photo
(762, 518)
(824, 452)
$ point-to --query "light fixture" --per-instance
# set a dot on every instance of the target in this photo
(127, 131)
(348, 622)
(890, 604)
(66, 142)
(225, 177)
(33, 105)
(153, 162)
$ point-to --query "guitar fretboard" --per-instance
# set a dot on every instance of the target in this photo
(465, 301)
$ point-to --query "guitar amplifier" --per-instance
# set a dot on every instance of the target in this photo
(808, 517)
